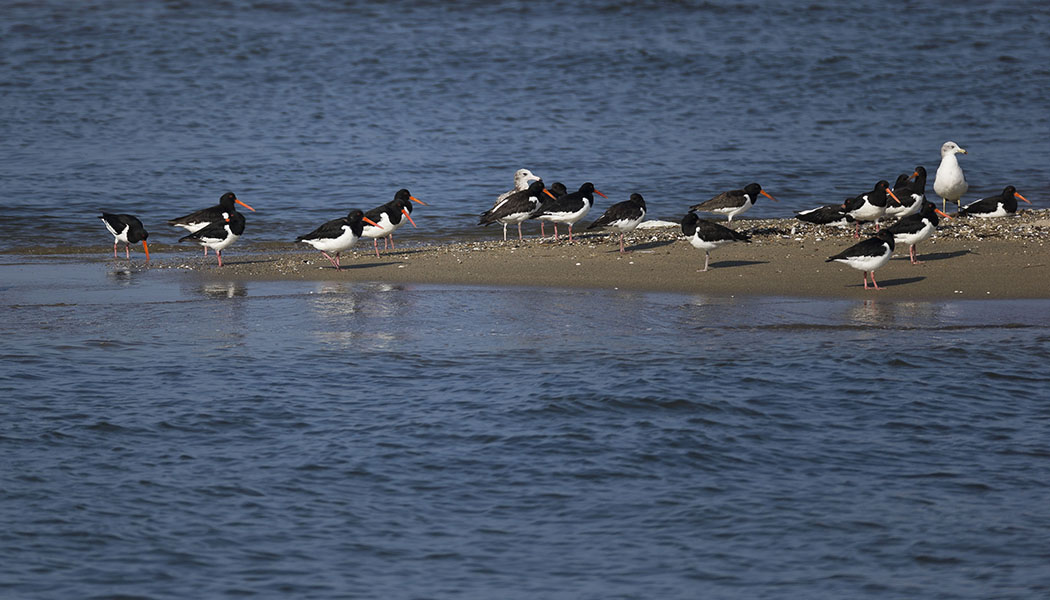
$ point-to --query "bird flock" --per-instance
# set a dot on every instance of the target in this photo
(219, 226)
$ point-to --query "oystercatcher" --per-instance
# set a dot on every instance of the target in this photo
(569, 208)
(707, 235)
(870, 206)
(127, 229)
(733, 202)
(557, 189)
(388, 217)
(994, 206)
(622, 216)
(949, 182)
(908, 201)
(516, 208)
(829, 214)
(337, 235)
(868, 255)
(202, 218)
(220, 234)
(915, 228)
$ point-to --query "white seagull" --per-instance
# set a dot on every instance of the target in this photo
(949, 183)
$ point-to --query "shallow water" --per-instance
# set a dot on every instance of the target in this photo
(169, 437)
(307, 109)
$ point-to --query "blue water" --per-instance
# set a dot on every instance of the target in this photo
(306, 109)
(168, 436)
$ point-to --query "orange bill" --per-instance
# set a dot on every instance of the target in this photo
(145, 249)
(766, 194)
(943, 214)
(601, 194)
(548, 192)
(1020, 197)
(244, 205)
(416, 200)
(892, 195)
(369, 221)
(405, 212)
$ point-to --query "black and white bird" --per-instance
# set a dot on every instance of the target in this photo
(219, 234)
(869, 206)
(388, 217)
(622, 216)
(569, 208)
(522, 179)
(910, 191)
(1003, 205)
(337, 235)
(868, 255)
(915, 228)
(557, 189)
(706, 235)
(733, 202)
(949, 183)
(196, 221)
(517, 207)
(127, 229)
(829, 214)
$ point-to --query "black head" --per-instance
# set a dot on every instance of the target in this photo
(637, 200)
(354, 215)
(226, 200)
(885, 235)
(689, 222)
(237, 223)
(902, 181)
(1009, 191)
(587, 188)
(536, 188)
(402, 196)
(882, 186)
(752, 189)
(558, 189)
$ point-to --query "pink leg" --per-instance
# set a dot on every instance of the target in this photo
(856, 232)
(555, 232)
(391, 236)
(332, 260)
(127, 252)
(114, 248)
(218, 253)
(543, 233)
(873, 281)
(707, 259)
(205, 251)
(375, 244)
(570, 233)
(520, 237)
(504, 232)
(914, 259)
(621, 243)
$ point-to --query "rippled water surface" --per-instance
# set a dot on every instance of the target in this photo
(184, 438)
(167, 436)
(306, 109)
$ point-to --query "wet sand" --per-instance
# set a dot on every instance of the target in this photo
(966, 259)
